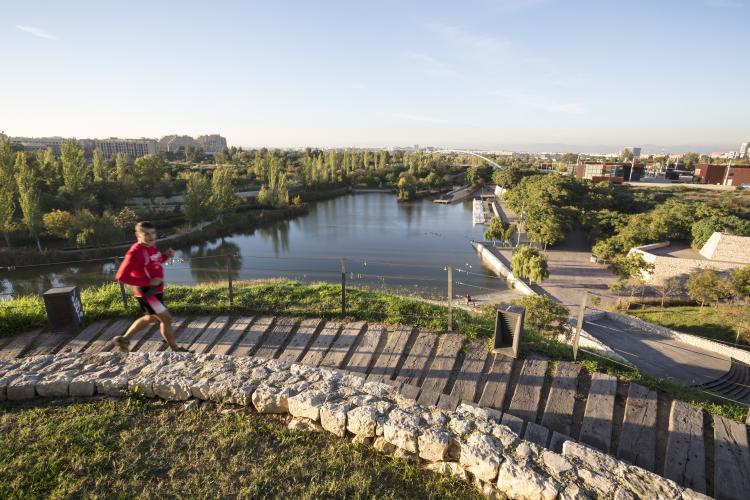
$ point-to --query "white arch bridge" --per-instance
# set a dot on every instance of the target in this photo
(494, 164)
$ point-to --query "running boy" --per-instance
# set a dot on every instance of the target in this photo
(142, 269)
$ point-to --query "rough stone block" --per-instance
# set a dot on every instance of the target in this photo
(461, 426)
(269, 399)
(243, 395)
(480, 455)
(21, 388)
(451, 468)
(172, 390)
(333, 417)
(468, 409)
(362, 420)
(402, 430)
(506, 436)
(383, 446)
(307, 404)
(111, 386)
(517, 481)
(53, 387)
(556, 463)
(434, 444)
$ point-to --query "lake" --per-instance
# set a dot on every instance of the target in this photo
(399, 247)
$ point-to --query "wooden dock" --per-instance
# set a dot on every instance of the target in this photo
(545, 402)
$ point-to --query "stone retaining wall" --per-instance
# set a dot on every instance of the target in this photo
(709, 345)
(469, 443)
(500, 267)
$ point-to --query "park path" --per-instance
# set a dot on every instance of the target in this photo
(571, 273)
(543, 401)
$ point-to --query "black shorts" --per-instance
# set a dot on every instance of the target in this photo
(153, 304)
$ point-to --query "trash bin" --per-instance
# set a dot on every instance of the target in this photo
(508, 328)
(64, 308)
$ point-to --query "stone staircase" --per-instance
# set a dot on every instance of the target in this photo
(734, 384)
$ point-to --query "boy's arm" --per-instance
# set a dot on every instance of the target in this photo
(131, 270)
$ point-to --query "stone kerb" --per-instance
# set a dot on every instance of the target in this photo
(469, 442)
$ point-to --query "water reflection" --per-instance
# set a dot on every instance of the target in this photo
(209, 263)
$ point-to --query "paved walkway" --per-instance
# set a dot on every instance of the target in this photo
(542, 405)
(572, 272)
(659, 356)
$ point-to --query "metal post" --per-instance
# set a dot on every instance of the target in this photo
(343, 286)
(450, 298)
(122, 286)
(229, 280)
(579, 325)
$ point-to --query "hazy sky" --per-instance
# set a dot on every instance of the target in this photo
(481, 74)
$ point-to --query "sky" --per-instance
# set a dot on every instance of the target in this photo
(503, 74)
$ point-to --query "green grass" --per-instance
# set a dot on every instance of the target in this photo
(140, 448)
(719, 323)
(324, 301)
(274, 297)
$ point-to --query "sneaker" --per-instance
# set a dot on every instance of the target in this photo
(123, 343)
(179, 349)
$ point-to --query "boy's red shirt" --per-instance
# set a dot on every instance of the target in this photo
(137, 271)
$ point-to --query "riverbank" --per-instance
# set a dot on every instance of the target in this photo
(321, 300)
(17, 257)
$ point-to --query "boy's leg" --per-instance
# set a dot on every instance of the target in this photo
(140, 324)
(123, 341)
(166, 327)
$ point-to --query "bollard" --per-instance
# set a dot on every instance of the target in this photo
(343, 286)
(229, 280)
(450, 298)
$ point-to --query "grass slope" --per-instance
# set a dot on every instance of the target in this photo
(719, 323)
(150, 449)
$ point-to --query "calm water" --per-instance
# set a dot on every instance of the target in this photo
(403, 247)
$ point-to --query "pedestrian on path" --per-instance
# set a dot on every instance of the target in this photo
(142, 269)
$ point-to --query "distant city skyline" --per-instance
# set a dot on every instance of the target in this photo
(534, 75)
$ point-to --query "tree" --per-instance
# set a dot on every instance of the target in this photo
(626, 155)
(690, 160)
(149, 171)
(98, 166)
(633, 270)
(741, 282)
(527, 262)
(59, 223)
(730, 224)
(708, 286)
(75, 171)
(407, 187)
(543, 314)
(28, 196)
(223, 197)
(509, 177)
(263, 196)
(670, 287)
(122, 167)
(193, 154)
(197, 198)
(499, 230)
(126, 219)
(479, 175)
(7, 188)
(221, 156)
